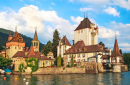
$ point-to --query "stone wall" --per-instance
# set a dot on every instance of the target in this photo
(124, 68)
(61, 70)
(90, 67)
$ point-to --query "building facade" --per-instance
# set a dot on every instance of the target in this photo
(43, 61)
(86, 47)
(14, 44)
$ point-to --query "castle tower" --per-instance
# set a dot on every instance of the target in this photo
(63, 46)
(87, 32)
(116, 56)
(35, 42)
(14, 44)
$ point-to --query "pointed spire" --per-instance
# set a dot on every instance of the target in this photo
(35, 36)
(116, 51)
(115, 36)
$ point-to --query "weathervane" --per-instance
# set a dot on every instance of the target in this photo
(16, 28)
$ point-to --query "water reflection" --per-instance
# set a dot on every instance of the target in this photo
(69, 79)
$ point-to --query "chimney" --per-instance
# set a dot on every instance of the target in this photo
(26, 48)
(73, 42)
(110, 52)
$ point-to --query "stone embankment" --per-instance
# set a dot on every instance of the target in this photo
(61, 70)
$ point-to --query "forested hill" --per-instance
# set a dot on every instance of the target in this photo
(4, 37)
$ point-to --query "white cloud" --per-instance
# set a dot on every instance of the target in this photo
(107, 33)
(124, 45)
(77, 19)
(28, 17)
(111, 11)
(53, 3)
(122, 3)
(86, 9)
(96, 1)
(71, 0)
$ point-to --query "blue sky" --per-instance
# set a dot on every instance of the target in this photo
(111, 16)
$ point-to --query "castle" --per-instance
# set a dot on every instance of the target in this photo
(16, 51)
(86, 47)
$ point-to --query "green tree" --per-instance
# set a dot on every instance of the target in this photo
(120, 51)
(33, 63)
(21, 67)
(101, 43)
(72, 61)
(62, 62)
(1, 48)
(5, 61)
(55, 42)
(127, 59)
(59, 61)
(47, 48)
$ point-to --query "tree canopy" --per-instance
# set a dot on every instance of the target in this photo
(47, 48)
(101, 43)
(59, 61)
(127, 58)
(55, 42)
(72, 61)
(5, 61)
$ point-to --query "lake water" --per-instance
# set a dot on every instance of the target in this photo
(68, 79)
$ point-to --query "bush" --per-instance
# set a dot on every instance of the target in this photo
(68, 65)
(21, 68)
(75, 64)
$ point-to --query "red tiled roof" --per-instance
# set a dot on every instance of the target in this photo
(19, 54)
(65, 41)
(80, 47)
(116, 51)
(31, 54)
(16, 38)
(84, 24)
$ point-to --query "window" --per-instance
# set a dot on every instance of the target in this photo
(41, 63)
(34, 43)
(81, 31)
(46, 63)
(78, 31)
(78, 60)
(83, 55)
(49, 63)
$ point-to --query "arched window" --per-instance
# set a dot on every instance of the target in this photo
(34, 43)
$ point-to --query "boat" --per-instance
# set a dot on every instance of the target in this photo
(7, 71)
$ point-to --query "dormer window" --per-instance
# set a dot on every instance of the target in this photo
(41, 55)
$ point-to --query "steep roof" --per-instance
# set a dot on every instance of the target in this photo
(84, 24)
(19, 54)
(116, 51)
(31, 54)
(80, 47)
(35, 36)
(65, 41)
(16, 38)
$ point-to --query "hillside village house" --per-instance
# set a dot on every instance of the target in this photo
(86, 47)
(17, 52)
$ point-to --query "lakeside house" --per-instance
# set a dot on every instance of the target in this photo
(86, 47)
(15, 49)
